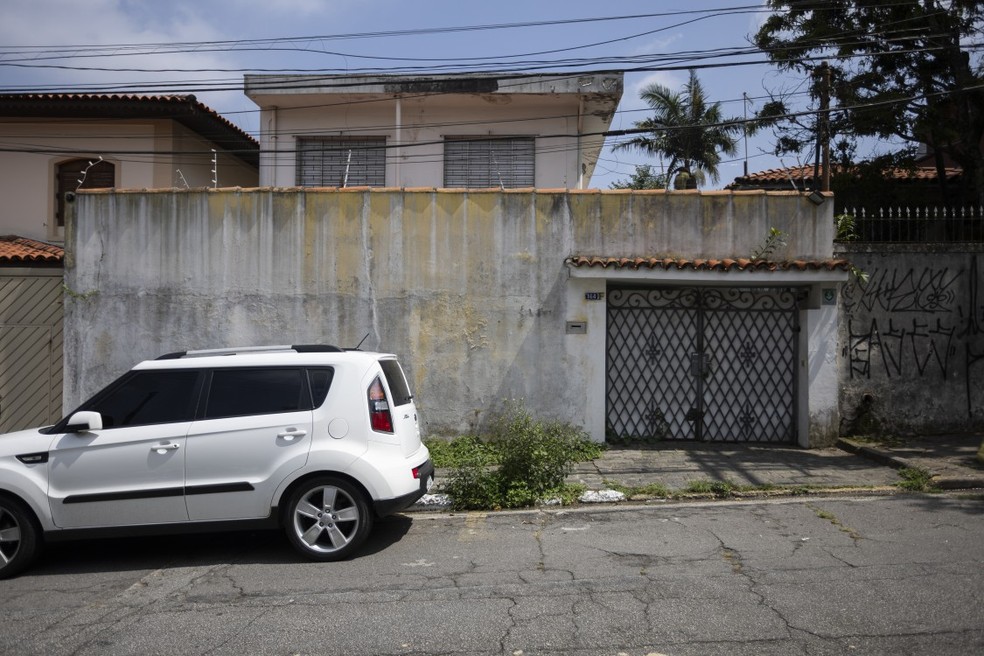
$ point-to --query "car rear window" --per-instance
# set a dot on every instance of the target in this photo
(397, 382)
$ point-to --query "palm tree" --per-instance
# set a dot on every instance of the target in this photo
(687, 131)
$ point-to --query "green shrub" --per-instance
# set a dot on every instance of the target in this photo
(915, 479)
(461, 451)
(520, 462)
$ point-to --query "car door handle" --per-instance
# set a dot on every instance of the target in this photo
(164, 448)
(289, 434)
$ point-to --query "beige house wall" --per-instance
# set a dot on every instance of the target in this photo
(422, 124)
(156, 150)
(555, 108)
(470, 289)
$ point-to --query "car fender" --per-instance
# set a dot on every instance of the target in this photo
(28, 482)
(320, 461)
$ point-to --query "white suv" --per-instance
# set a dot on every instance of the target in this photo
(314, 439)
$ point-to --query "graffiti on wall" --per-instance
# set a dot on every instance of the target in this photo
(929, 291)
(917, 323)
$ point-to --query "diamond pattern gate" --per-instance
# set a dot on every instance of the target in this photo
(714, 364)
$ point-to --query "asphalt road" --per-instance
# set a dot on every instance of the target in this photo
(876, 575)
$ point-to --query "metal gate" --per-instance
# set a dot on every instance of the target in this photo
(715, 364)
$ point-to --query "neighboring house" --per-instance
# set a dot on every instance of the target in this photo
(858, 188)
(31, 312)
(56, 143)
(911, 325)
(452, 131)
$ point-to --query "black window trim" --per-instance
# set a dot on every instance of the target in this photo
(203, 383)
(98, 397)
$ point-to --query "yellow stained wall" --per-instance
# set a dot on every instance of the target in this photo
(469, 288)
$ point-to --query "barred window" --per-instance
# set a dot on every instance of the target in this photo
(93, 175)
(483, 163)
(341, 162)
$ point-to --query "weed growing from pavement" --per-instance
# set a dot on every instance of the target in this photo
(832, 518)
(916, 479)
(721, 489)
(519, 462)
(649, 490)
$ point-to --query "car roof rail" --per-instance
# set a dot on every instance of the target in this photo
(298, 348)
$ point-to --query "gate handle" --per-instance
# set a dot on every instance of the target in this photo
(700, 365)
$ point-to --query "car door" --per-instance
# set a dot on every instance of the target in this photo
(255, 431)
(131, 471)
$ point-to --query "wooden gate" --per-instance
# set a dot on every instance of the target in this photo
(31, 312)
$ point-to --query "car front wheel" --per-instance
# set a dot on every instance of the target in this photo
(327, 518)
(18, 538)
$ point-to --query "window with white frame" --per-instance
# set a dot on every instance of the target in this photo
(476, 162)
(341, 162)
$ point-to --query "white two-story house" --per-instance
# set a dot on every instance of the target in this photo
(439, 131)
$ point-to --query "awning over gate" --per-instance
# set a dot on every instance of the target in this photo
(738, 271)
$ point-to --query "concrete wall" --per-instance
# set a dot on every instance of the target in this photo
(913, 339)
(469, 288)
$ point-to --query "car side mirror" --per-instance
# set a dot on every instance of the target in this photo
(84, 421)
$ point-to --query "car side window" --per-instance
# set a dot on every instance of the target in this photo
(320, 380)
(148, 397)
(238, 392)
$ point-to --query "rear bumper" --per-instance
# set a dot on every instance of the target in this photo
(385, 507)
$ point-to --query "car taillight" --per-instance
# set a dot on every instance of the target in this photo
(379, 413)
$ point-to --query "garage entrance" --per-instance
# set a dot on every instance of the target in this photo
(708, 364)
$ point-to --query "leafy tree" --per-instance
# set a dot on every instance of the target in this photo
(686, 130)
(643, 178)
(906, 69)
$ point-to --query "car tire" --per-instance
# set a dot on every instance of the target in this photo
(19, 544)
(327, 518)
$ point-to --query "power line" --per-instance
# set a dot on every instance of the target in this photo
(571, 136)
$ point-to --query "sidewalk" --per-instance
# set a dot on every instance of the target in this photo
(950, 459)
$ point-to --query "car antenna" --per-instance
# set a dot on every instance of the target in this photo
(360, 343)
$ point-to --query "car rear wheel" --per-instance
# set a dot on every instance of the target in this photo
(18, 538)
(327, 518)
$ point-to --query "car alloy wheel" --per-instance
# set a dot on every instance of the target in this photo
(328, 518)
(18, 538)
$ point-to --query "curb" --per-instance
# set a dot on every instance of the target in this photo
(943, 482)
(870, 452)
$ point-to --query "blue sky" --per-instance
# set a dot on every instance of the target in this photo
(215, 74)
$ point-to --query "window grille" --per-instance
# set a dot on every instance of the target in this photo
(341, 162)
(471, 162)
(98, 175)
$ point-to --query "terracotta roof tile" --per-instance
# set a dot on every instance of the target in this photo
(805, 172)
(17, 250)
(699, 264)
(185, 109)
